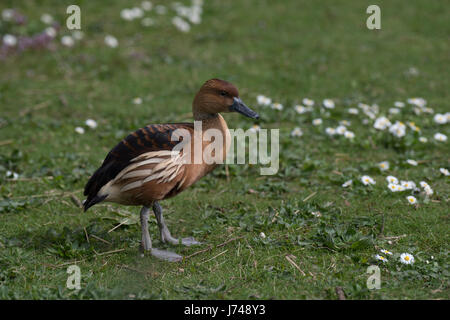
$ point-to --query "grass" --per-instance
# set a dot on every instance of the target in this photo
(286, 50)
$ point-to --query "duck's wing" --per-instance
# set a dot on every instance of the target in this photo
(151, 143)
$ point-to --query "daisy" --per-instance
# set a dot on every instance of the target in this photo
(51, 32)
(12, 175)
(349, 135)
(366, 180)
(79, 130)
(408, 185)
(423, 139)
(7, 14)
(297, 132)
(67, 41)
(317, 122)
(301, 109)
(353, 111)
(46, 18)
(347, 183)
(392, 179)
(78, 35)
(386, 252)
(382, 123)
(263, 100)
(411, 199)
(308, 102)
(399, 104)
(440, 118)
(147, 22)
(330, 131)
(420, 102)
(91, 123)
(9, 40)
(111, 41)
(146, 5)
(398, 129)
(394, 110)
(413, 126)
(406, 258)
(328, 103)
(137, 100)
(160, 9)
(393, 187)
(262, 235)
(341, 130)
(255, 128)
(412, 162)
(384, 165)
(381, 258)
(440, 137)
(428, 191)
(444, 171)
(277, 106)
(423, 184)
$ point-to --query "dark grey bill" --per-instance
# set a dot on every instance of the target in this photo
(240, 107)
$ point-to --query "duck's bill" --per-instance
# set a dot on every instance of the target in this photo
(240, 107)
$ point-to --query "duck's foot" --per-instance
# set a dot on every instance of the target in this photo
(165, 233)
(166, 255)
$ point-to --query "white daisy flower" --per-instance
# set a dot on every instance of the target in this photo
(413, 126)
(423, 139)
(297, 132)
(277, 106)
(399, 104)
(440, 118)
(9, 40)
(406, 258)
(341, 130)
(111, 41)
(393, 187)
(160, 9)
(330, 131)
(428, 191)
(386, 252)
(392, 179)
(301, 109)
(400, 188)
(423, 184)
(79, 130)
(146, 5)
(147, 22)
(263, 100)
(382, 123)
(353, 111)
(137, 100)
(394, 110)
(440, 137)
(308, 102)
(127, 14)
(420, 102)
(328, 103)
(384, 165)
(444, 171)
(51, 32)
(91, 123)
(408, 185)
(381, 258)
(67, 41)
(78, 35)
(366, 180)
(7, 14)
(317, 122)
(137, 12)
(412, 162)
(398, 129)
(349, 135)
(347, 183)
(46, 18)
(411, 199)
(262, 235)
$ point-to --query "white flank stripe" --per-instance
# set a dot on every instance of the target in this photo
(130, 186)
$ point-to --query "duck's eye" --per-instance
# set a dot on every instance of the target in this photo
(223, 93)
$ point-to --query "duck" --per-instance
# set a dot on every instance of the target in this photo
(154, 163)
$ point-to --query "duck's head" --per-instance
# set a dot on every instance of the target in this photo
(216, 96)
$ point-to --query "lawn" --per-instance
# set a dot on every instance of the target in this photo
(298, 234)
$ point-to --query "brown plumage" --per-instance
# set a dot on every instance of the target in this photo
(144, 168)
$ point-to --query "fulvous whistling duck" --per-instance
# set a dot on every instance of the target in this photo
(143, 168)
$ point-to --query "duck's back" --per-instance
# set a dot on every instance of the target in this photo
(153, 140)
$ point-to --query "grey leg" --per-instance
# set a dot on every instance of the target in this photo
(165, 233)
(147, 242)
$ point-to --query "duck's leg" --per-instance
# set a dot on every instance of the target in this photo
(165, 233)
(147, 242)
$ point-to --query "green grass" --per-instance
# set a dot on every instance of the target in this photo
(286, 50)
